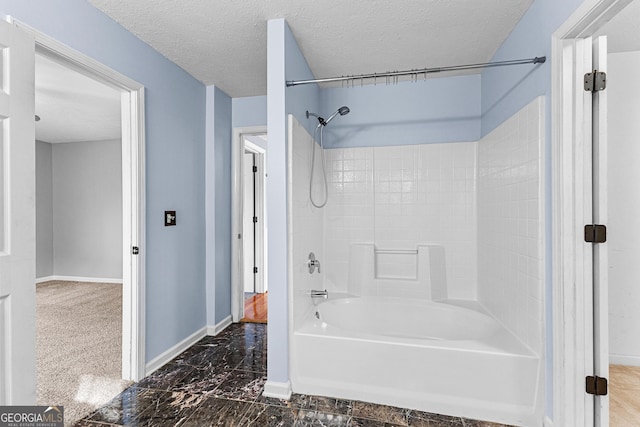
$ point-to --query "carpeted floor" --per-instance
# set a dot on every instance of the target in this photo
(79, 327)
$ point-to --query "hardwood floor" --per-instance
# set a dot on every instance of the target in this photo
(255, 308)
(624, 396)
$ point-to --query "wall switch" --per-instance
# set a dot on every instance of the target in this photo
(169, 218)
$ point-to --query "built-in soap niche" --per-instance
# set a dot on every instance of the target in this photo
(419, 272)
(396, 264)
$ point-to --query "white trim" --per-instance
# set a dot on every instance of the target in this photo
(291, 120)
(623, 359)
(219, 327)
(277, 390)
(75, 60)
(547, 422)
(572, 305)
(168, 355)
(237, 258)
(133, 182)
(78, 279)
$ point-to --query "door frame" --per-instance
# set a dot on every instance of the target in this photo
(133, 190)
(237, 248)
(572, 304)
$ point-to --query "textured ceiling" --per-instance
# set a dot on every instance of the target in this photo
(73, 107)
(223, 42)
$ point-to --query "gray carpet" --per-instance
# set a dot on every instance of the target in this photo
(79, 327)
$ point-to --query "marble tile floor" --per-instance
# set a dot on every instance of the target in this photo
(219, 382)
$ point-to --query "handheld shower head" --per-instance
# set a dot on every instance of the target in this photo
(342, 111)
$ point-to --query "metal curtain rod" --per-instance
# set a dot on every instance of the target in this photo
(415, 73)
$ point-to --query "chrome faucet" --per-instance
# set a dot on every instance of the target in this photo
(313, 263)
(319, 294)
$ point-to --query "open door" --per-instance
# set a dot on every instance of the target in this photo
(17, 218)
(600, 250)
(595, 220)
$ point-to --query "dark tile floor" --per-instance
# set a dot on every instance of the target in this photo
(219, 382)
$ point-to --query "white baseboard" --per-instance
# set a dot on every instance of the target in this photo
(166, 357)
(623, 359)
(78, 279)
(219, 327)
(547, 422)
(277, 389)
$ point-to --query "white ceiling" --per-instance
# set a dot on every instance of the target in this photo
(224, 42)
(73, 107)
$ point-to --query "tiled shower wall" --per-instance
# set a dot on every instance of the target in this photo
(479, 200)
(399, 197)
(306, 222)
(510, 260)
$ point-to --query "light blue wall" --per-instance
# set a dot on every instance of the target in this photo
(210, 208)
(285, 61)
(175, 136)
(277, 328)
(249, 111)
(222, 170)
(507, 90)
(445, 109)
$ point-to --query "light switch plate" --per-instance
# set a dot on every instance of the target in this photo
(169, 218)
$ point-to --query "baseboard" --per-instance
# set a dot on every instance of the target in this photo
(219, 327)
(277, 389)
(547, 422)
(168, 355)
(78, 279)
(622, 359)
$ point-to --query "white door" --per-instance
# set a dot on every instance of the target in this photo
(600, 254)
(17, 219)
(248, 227)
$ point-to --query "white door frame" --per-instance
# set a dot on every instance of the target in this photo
(571, 209)
(237, 249)
(133, 191)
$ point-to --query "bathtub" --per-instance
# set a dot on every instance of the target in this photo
(443, 357)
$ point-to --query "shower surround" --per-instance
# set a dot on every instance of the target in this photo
(478, 206)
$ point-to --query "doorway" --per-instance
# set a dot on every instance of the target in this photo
(623, 207)
(249, 277)
(79, 239)
(133, 189)
(583, 389)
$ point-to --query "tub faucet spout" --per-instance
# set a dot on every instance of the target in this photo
(319, 294)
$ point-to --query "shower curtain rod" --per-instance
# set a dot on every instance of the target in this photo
(415, 73)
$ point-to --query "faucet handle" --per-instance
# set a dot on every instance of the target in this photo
(313, 263)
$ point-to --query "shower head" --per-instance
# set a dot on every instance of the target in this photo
(342, 111)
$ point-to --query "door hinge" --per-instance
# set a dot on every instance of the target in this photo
(597, 386)
(255, 169)
(255, 270)
(595, 233)
(596, 81)
(135, 250)
(255, 219)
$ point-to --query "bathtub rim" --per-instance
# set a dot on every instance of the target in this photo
(502, 341)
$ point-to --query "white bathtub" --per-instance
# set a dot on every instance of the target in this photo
(446, 358)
